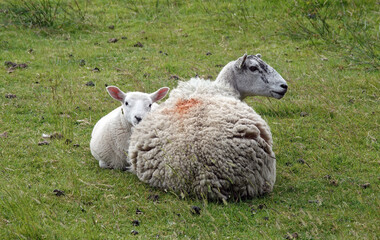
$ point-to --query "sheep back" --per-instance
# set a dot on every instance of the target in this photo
(211, 147)
(198, 86)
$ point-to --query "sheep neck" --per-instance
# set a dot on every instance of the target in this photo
(227, 77)
(123, 121)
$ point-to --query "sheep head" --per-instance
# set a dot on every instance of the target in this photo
(251, 76)
(135, 105)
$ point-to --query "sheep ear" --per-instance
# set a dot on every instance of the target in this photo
(258, 55)
(159, 94)
(116, 93)
(242, 63)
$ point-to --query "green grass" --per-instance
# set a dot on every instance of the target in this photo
(329, 118)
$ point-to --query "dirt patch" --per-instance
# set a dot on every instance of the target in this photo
(365, 185)
(15, 65)
(12, 66)
(90, 84)
(43, 143)
(113, 40)
(195, 210)
(9, 95)
(59, 193)
(174, 77)
(138, 44)
(4, 135)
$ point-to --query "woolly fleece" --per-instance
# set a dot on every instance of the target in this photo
(210, 146)
(110, 140)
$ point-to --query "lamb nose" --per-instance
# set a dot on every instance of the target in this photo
(138, 119)
(284, 86)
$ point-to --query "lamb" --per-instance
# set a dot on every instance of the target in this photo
(204, 141)
(110, 136)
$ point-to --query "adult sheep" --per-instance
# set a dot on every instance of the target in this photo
(205, 141)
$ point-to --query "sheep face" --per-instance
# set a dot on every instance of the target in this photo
(135, 105)
(254, 77)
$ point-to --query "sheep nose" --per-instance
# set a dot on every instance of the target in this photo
(138, 119)
(284, 86)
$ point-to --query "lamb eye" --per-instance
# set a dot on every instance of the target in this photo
(253, 68)
(126, 103)
(150, 105)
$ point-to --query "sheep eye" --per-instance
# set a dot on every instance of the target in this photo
(126, 103)
(253, 68)
(150, 105)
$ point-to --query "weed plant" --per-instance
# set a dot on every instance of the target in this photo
(45, 13)
(345, 24)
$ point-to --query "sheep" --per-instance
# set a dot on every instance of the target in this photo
(205, 141)
(110, 136)
(247, 76)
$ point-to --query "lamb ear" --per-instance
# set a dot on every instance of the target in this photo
(258, 55)
(116, 93)
(242, 63)
(159, 94)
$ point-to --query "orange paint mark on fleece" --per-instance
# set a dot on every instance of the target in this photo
(184, 105)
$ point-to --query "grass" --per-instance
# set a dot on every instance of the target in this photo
(325, 130)
(340, 24)
(46, 13)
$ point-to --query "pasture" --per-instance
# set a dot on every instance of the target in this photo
(57, 57)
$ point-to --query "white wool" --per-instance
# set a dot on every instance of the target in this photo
(197, 86)
(217, 148)
(111, 134)
(204, 141)
(110, 140)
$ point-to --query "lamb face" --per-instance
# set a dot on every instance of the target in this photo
(135, 105)
(254, 77)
